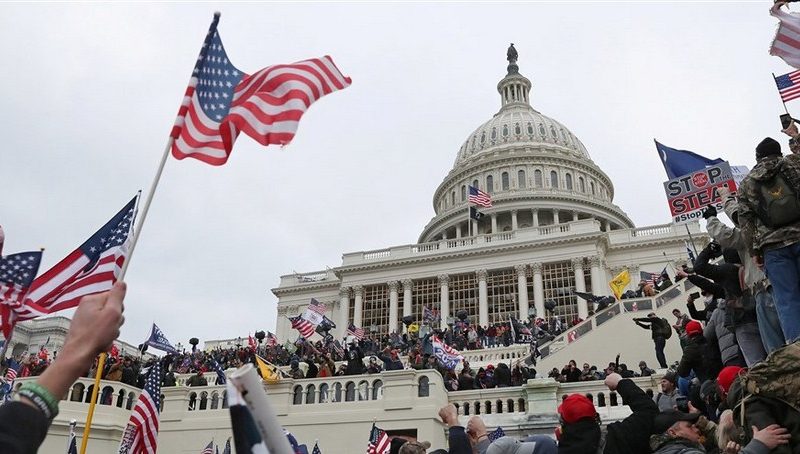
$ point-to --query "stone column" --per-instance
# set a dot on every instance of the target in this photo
(574, 215)
(458, 230)
(344, 310)
(555, 217)
(494, 223)
(444, 306)
(535, 221)
(393, 285)
(522, 291)
(597, 275)
(538, 289)
(474, 227)
(580, 286)
(359, 305)
(513, 219)
(483, 298)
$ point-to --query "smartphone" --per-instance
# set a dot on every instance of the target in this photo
(786, 120)
(695, 295)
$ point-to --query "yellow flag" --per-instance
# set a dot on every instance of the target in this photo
(619, 283)
(268, 372)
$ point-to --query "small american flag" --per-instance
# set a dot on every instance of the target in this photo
(92, 268)
(227, 449)
(11, 374)
(786, 44)
(222, 101)
(251, 342)
(272, 341)
(17, 272)
(302, 325)
(143, 422)
(317, 307)
(353, 330)
(379, 442)
(649, 278)
(789, 86)
(316, 449)
(209, 449)
(497, 433)
(479, 197)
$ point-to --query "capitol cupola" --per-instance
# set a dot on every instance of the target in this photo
(536, 170)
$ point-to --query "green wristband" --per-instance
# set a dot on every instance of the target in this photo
(39, 395)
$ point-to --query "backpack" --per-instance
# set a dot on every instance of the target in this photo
(776, 376)
(663, 328)
(778, 203)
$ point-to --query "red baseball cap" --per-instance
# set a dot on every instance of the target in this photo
(576, 407)
(694, 328)
(727, 375)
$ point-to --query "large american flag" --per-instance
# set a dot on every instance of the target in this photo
(302, 325)
(92, 268)
(141, 435)
(222, 101)
(648, 277)
(353, 330)
(379, 442)
(17, 272)
(479, 197)
(786, 43)
(789, 86)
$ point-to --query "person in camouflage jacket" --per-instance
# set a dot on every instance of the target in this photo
(778, 248)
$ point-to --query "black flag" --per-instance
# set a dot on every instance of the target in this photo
(475, 214)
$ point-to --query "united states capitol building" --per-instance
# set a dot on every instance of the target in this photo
(553, 229)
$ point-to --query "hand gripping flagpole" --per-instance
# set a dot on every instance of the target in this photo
(136, 233)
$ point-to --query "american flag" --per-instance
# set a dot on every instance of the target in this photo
(649, 278)
(305, 327)
(272, 340)
(316, 449)
(429, 315)
(379, 442)
(222, 101)
(789, 86)
(221, 378)
(479, 197)
(143, 423)
(11, 374)
(317, 307)
(353, 330)
(497, 433)
(92, 268)
(447, 355)
(251, 342)
(227, 449)
(786, 44)
(209, 449)
(315, 312)
(17, 272)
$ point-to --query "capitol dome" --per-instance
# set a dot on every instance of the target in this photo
(536, 170)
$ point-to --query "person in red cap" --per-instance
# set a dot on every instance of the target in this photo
(693, 358)
(581, 432)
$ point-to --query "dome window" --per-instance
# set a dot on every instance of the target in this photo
(553, 132)
(453, 198)
(474, 138)
(591, 185)
(542, 132)
(530, 129)
(537, 178)
(521, 179)
(494, 134)
(582, 185)
(564, 136)
(568, 181)
(553, 179)
(463, 193)
(483, 137)
(504, 181)
(505, 130)
(517, 129)
(475, 184)
(490, 184)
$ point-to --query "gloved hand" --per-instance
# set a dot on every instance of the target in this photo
(715, 249)
(709, 212)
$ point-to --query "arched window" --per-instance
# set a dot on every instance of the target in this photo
(350, 392)
(214, 400)
(363, 390)
(120, 398)
(475, 184)
(510, 405)
(377, 390)
(499, 406)
(477, 407)
(521, 405)
(582, 185)
(591, 185)
(453, 198)
(463, 193)
(192, 401)
(130, 400)
(203, 400)
(487, 407)
(323, 393)
(553, 179)
(521, 179)
(424, 389)
(568, 181)
(77, 392)
(490, 184)
(311, 394)
(297, 399)
(337, 392)
(537, 178)
(466, 408)
(504, 180)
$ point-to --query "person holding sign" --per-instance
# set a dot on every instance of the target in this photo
(769, 214)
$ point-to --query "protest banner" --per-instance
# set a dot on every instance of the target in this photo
(689, 194)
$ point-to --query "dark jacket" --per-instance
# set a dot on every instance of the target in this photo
(693, 358)
(22, 428)
(582, 437)
(502, 375)
(632, 434)
(458, 441)
(664, 444)
(658, 326)
(355, 361)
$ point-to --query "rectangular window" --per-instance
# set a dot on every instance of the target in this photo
(559, 283)
(376, 309)
(502, 294)
(463, 296)
(425, 292)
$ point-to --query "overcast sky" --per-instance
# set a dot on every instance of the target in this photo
(90, 92)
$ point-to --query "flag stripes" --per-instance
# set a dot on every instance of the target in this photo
(789, 86)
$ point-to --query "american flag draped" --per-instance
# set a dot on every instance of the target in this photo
(302, 325)
(789, 86)
(17, 272)
(786, 44)
(479, 197)
(141, 434)
(222, 101)
(92, 268)
(379, 442)
(353, 330)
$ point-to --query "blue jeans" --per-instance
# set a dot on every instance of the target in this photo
(783, 270)
(768, 322)
(750, 344)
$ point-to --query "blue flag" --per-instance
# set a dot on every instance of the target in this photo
(682, 162)
(497, 433)
(221, 379)
(159, 340)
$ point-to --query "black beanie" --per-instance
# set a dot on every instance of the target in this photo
(768, 147)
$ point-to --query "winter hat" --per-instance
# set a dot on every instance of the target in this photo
(767, 147)
(576, 407)
(415, 447)
(672, 377)
(396, 444)
(694, 328)
(727, 375)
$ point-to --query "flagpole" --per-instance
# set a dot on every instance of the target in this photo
(779, 92)
(691, 239)
(101, 362)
